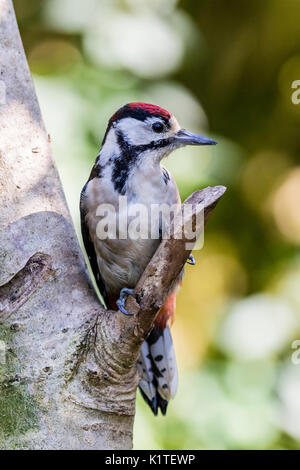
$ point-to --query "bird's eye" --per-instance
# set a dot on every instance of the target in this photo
(158, 127)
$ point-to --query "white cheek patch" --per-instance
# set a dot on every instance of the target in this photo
(141, 133)
(135, 132)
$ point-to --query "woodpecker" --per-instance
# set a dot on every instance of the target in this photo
(137, 138)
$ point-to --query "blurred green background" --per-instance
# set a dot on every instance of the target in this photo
(225, 69)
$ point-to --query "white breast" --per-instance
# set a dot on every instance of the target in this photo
(122, 261)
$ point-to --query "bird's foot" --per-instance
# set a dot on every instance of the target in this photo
(122, 299)
(191, 260)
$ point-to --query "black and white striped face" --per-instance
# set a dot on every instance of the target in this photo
(138, 136)
(148, 131)
(154, 137)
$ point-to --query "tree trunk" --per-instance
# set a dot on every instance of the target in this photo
(68, 374)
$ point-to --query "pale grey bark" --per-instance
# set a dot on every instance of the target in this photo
(69, 377)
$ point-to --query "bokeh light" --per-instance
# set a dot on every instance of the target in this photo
(257, 327)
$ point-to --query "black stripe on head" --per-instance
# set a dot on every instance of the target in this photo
(155, 144)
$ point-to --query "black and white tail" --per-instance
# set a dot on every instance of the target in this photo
(158, 369)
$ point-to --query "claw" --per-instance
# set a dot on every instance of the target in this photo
(191, 260)
(122, 299)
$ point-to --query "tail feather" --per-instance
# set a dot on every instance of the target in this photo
(162, 404)
(163, 354)
(158, 369)
(145, 369)
(152, 403)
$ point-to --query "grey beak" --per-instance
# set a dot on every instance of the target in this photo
(189, 138)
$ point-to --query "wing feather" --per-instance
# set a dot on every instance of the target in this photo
(90, 249)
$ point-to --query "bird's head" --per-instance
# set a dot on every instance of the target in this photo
(147, 129)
